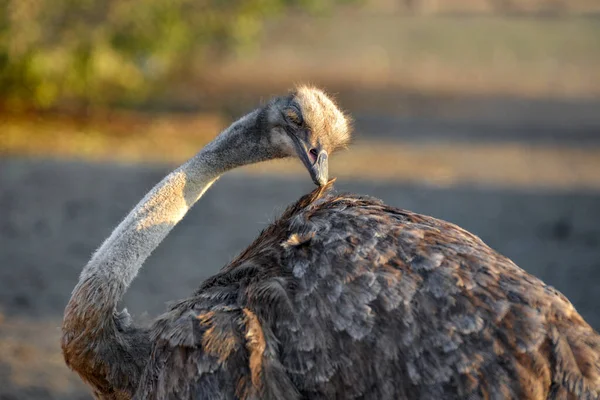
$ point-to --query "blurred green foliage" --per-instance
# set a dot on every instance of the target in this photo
(95, 52)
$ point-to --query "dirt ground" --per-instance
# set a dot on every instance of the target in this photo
(54, 214)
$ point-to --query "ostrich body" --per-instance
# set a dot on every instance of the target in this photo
(344, 297)
(341, 297)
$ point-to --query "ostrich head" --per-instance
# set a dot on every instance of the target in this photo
(307, 124)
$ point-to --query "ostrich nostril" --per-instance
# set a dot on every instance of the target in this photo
(313, 154)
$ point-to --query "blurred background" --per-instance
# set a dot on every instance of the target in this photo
(485, 113)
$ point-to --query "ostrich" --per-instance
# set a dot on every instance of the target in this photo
(341, 297)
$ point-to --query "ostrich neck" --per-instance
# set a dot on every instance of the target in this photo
(113, 267)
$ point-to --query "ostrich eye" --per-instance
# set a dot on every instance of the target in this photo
(294, 117)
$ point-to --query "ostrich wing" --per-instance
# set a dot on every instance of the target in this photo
(344, 297)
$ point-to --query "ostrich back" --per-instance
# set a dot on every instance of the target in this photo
(344, 297)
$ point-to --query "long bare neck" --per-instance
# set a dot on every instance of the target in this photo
(113, 267)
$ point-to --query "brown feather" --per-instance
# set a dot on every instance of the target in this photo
(345, 297)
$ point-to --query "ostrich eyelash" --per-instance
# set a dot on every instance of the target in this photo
(293, 116)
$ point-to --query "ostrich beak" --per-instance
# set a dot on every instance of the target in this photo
(315, 159)
(319, 171)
